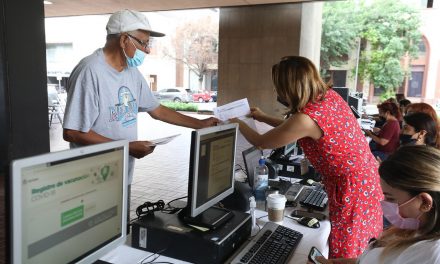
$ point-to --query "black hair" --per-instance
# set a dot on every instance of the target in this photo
(422, 121)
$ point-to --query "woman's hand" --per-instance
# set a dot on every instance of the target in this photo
(234, 120)
(257, 114)
(368, 132)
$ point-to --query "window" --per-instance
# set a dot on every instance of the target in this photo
(416, 82)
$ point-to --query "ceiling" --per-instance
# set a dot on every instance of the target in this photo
(88, 7)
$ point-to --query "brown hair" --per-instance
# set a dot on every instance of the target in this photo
(428, 109)
(413, 169)
(297, 81)
(390, 107)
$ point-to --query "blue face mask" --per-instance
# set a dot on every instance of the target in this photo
(137, 59)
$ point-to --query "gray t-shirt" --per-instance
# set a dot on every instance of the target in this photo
(106, 101)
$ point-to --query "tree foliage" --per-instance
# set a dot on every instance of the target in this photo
(196, 45)
(388, 31)
(340, 30)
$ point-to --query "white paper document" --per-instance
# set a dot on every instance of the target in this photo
(239, 108)
(164, 140)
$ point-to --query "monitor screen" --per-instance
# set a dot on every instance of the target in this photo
(69, 206)
(212, 163)
(289, 148)
(251, 156)
(343, 92)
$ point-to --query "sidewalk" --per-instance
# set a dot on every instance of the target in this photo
(162, 175)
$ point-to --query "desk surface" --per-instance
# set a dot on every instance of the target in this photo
(312, 237)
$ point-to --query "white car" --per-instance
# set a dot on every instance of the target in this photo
(175, 94)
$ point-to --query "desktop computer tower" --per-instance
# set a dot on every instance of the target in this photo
(167, 235)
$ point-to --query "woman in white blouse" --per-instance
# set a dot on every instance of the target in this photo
(410, 180)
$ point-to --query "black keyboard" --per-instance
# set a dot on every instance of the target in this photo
(274, 244)
(315, 198)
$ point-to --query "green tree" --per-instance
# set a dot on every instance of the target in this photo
(195, 44)
(340, 30)
(388, 31)
(391, 31)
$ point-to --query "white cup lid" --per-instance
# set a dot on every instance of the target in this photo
(276, 201)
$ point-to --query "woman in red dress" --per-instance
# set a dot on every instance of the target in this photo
(332, 140)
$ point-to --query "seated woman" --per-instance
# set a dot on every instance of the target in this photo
(386, 139)
(411, 184)
(419, 129)
(403, 104)
(428, 109)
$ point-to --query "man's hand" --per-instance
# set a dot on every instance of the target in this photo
(257, 114)
(140, 149)
(208, 122)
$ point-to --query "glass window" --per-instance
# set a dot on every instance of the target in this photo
(415, 84)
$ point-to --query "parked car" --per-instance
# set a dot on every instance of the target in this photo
(201, 97)
(175, 94)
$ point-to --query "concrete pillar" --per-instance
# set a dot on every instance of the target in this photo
(254, 38)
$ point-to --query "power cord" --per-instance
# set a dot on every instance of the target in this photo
(172, 209)
(149, 208)
(155, 256)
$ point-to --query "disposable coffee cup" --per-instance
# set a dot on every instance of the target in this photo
(275, 207)
(269, 191)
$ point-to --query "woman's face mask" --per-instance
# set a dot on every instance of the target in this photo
(407, 140)
(281, 101)
(391, 213)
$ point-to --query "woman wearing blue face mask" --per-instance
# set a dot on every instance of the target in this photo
(411, 185)
(418, 129)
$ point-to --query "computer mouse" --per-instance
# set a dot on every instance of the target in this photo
(309, 222)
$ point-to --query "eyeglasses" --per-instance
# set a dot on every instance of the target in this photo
(143, 44)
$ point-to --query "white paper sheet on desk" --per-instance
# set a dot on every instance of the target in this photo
(164, 140)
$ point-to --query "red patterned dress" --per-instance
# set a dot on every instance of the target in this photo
(349, 173)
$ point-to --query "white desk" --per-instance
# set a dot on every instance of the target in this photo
(312, 237)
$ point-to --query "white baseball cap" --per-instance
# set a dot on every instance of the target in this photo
(129, 20)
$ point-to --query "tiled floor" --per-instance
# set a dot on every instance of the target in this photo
(160, 175)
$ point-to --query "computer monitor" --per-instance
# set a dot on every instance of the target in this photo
(289, 148)
(251, 156)
(284, 152)
(212, 162)
(355, 102)
(69, 206)
(343, 92)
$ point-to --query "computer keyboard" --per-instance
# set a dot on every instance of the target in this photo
(293, 192)
(274, 244)
(314, 198)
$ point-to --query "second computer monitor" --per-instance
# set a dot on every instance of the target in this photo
(212, 165)
(251, 156)
(69, 206)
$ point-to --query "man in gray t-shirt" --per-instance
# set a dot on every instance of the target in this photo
(106, 90)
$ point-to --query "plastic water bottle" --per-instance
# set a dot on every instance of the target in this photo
(252, 206)
(261, 179)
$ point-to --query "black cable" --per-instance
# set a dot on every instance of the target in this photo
(152, 254)
(149, 207)
(176, 199)
(154, 258)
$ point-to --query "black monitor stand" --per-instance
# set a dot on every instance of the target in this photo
(211, 218)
